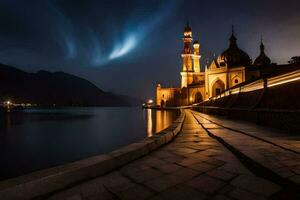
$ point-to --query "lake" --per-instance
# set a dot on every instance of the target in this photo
(38, 138)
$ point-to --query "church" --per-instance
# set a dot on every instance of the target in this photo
(229, 69)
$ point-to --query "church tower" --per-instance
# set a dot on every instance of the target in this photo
(187, 57)
(196, 57)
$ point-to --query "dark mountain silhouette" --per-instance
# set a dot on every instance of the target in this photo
(59, 88)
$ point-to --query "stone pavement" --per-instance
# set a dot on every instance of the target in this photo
(193, 166)
(289, 140)
(281, 161)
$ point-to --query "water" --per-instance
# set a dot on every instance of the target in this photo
(41, 138)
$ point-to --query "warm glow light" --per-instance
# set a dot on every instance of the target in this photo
(284, 81)
(257, 85)
(161, 120)
(150, 101)
(149, 123)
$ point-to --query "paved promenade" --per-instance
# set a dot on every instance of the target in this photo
(276, 152)
(196, 165)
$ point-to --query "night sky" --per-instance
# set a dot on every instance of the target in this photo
(128, 46)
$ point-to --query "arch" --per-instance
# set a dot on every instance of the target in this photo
(198, 97)
(218, 87)
(162, 103)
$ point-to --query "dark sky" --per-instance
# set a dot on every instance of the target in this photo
(128, 46)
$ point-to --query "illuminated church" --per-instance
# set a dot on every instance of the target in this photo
(231, 68)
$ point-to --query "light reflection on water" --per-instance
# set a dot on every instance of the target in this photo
(41, 138)
(158, 120)
(161, 120)
(149, 123)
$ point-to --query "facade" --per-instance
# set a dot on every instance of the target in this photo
(229, 69)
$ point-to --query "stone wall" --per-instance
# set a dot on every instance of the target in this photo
(273, 102)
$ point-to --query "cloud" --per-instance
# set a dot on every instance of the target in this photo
(124, 47)
(142, 29)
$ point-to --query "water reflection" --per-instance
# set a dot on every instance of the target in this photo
(162, 121)
(149, 123)
(158, 120)
(39, 137)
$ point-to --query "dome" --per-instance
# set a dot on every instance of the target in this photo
(196, 42)
(234, 56)
(262, 59)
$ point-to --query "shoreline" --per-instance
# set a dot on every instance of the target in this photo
(43, 182)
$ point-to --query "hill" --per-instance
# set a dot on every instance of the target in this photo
(59, 88)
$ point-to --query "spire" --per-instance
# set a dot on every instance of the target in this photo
(262, 46)
(187, 27)
(232, 39)
(262, 59)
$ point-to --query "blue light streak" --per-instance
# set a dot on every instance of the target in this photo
(123, 48)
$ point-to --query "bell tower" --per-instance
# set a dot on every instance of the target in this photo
(196, 57)
(187, 57)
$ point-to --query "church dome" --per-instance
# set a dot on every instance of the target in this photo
(234, 56)
(262, 59)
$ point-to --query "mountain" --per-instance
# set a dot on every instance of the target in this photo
(59, 88)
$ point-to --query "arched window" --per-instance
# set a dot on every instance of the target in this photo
(235, 81)
(198, 98)
(218, 87)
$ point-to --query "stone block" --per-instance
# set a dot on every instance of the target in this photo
(49, 180)
(135, 192)
(255, 185)
(159, 139)
(202, 167)
(206, 184)
(178, 128)
(129, 153)
(150, 143)
(221, 174)
(169, 136)
(245, 195)
(168, 168)
(182, 191)
(141, 176)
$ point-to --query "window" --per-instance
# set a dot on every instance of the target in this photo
(236, 81)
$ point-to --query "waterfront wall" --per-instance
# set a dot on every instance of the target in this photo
(44, 182)
(271, 101)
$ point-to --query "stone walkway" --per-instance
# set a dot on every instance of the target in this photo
(193, 166)
(281, 161)
(288, 140)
